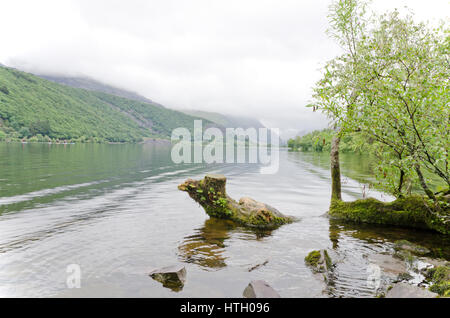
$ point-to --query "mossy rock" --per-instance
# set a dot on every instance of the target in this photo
(412, 212)
(210, 193)
(319, 261)
(172, 277)
(440, 278)
(404, 245)
(313, 258)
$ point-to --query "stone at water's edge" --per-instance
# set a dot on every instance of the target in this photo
(391, 266)
(260, 289)
(411, 247)
(322, 266)
(172, 277)
(404, 290)
(319, 261)
(211, 194)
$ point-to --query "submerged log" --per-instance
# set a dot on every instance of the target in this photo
(211, 194)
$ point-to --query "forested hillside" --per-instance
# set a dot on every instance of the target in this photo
(38, 109)
(320, 140)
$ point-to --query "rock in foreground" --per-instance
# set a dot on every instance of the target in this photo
(440, 278)
(172, 277)
(391, 266)
(319, 261)
(322, 267)
(410, 247)
(260, 289)
(404, 290)
(211, 194)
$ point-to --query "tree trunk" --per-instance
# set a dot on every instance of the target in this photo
(424, 185)
(335, 169)
(216, 182)
(400, 183)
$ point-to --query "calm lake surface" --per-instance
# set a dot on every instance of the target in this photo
(115, 210)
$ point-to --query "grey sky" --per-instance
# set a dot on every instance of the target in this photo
(256, 58)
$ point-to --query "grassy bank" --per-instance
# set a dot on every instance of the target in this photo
(411, 212)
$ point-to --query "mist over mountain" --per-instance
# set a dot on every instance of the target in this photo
(94, 85)
(226, 120)
(222, 120)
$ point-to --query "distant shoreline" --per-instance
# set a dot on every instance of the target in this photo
(148, 141)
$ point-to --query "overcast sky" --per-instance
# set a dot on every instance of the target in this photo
(256, 58)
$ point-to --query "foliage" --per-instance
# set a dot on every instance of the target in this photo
(391, 85)
(320, 141)
(4, 90)
(440, 277)
(40, 127)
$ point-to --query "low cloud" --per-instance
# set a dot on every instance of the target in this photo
(255, 58)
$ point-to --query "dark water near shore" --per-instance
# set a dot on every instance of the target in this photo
(115, 210)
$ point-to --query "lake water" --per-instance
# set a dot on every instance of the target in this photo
(115, 210)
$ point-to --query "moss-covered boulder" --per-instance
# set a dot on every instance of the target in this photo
(440, 279)
(412, 212)
(404, 245)
(172, 277)
(210, 193)
(319, 261)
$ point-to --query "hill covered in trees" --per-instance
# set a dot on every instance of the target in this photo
(34, 108)
(320, 141)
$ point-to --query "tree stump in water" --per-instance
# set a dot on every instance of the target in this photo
(216, 182)
(211, 194)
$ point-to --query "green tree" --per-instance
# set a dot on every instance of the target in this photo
(24, 132)
(40, 127)
(390, 84)
(336, 93)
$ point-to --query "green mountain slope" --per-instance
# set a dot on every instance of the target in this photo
(32, 106)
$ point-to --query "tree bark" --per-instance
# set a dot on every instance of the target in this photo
(424, 185)
(400, 183)
(335, 169)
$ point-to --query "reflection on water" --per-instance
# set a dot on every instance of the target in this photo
(116, 211)
(353, 243)
(206, 247)
(387, 235)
